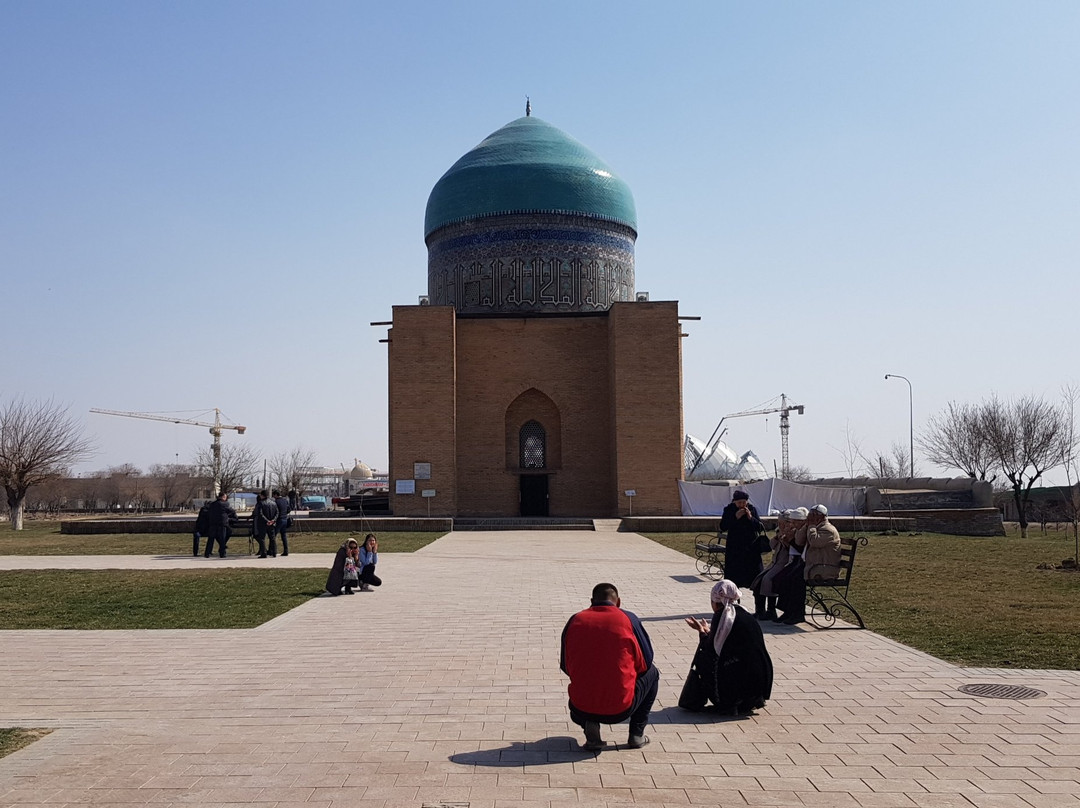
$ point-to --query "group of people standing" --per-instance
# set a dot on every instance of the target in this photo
(270, 518)
(214, 521)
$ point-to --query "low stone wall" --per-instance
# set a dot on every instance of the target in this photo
(711, 524)
(878, 500)
(84, 527)
(954, 522)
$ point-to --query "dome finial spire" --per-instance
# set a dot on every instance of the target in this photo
(528, 107)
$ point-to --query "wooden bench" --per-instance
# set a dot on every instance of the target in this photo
(827, 600)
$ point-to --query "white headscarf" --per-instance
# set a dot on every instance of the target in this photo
(727, 593)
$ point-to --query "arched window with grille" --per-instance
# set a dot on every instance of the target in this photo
(532, 443)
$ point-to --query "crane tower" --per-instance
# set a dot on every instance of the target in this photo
(784, 409)
(215, 430)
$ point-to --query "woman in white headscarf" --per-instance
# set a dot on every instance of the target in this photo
(732, 667)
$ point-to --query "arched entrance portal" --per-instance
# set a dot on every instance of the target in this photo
(533, 449)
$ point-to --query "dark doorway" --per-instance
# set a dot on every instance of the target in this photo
(534, 495)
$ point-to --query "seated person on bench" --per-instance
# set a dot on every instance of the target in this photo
(821, 562)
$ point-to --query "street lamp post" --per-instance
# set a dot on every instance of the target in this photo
(911, 418)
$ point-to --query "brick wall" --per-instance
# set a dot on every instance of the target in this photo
(548, 369)
(422, 410)
(645, 358)
(607, 388)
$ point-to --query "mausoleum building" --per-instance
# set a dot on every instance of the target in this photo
(533, 379)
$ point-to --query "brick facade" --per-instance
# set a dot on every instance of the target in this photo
(606, 389)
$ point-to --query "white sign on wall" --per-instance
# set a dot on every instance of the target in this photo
(405, 486)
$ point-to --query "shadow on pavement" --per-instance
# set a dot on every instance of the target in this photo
(560, 749)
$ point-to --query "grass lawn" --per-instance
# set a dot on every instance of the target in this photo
(14, 739)
(44, 538)
(152, 599)
(970, 600)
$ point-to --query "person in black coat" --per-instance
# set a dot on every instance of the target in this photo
(264, 522)
(336, 579)
(732, 667)
(742, 559)
(219, 517)
(283, 523)
(202, 527)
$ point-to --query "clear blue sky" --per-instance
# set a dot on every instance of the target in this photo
(205, 203)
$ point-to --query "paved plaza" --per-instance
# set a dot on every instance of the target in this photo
(443, 688)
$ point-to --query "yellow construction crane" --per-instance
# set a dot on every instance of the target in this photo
(215, 430)
(784, 409)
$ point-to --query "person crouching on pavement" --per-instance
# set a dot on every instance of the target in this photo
(608, 656)
(369, 557)
(732, 667)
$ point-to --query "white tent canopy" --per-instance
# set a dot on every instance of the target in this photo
(719, 462)
(716, 463)
(770, 497)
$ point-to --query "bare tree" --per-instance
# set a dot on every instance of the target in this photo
(851, 451)
(1070, 460)
(288, 469)
(1025, 438)
(39, 441)
(175, 484)
(800, 474)
(953, 440)
(897, 464)
(239, 462)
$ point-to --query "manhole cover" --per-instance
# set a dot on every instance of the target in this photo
(1001, 691)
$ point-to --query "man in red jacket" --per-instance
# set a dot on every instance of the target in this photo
(609, 659)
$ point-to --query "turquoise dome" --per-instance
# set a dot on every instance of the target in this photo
(529, 166)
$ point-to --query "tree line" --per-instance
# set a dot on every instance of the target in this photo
(40, 442)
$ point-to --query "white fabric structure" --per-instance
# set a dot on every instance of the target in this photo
(751, 468)
(770, 497)
(721, 463)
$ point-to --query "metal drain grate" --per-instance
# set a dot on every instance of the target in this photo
(1002, 691)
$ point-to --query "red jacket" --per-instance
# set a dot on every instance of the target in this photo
(604, 650)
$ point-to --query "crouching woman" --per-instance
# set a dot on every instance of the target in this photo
(731, 668)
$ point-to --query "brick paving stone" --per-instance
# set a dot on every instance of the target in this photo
(473, 708)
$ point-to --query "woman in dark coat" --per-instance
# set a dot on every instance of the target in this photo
(336, 579)
(732, 667)
(742, 559)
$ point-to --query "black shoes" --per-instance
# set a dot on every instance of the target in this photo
(593, 741)
(637, 741)
(794, 619)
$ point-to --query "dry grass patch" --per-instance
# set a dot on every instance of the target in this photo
(153, 599)
(970, 600)
(15, 738)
